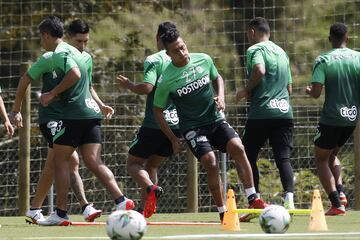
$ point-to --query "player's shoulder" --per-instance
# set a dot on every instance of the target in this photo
(196, 57)
(65, 48)
(157, 57)
(47, 55)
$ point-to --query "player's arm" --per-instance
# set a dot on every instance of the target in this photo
(71, 77)
(175, 141)
(318, 79)
(138, 88)
(258, 71)
(290, 81)
(8, 127)
(15, 115)
(218, 84)
(106, 110)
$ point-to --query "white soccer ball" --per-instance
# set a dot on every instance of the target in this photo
(125, 225)
(275, 219)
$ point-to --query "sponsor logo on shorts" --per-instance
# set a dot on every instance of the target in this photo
(54, 126)
(195, 85)
(350, 113)
(281, 104)
(90, 103)
(171, 116)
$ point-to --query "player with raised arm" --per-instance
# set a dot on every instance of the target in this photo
(150, 146)
(270, 114)
(338, 70)
(188, 81)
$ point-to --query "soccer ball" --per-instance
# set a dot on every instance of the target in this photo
(274, 219)
(125, 225)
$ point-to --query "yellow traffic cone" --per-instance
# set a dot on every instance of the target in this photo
(231, 219)
(317, 216)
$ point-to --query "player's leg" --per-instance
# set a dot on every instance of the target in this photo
(335, 167)
(254, 138)
(76, 183)
(200, 146)
(281, 140)
(90, 149)
(325, 141)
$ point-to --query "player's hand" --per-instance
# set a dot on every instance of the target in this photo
(241, 94)
(9, 129)
(176, 145)
(107, 111)
(220, 103)
(16, 119)
(308, 90)
(124, 82)
(47, 98)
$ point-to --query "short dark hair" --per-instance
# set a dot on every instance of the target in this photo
(260, 24)
(53, 26)
(338, 31)
(165, 26)
(169, 36)
(78, 26)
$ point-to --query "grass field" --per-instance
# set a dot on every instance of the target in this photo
(341, 227)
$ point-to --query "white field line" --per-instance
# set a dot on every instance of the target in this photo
(327, 235)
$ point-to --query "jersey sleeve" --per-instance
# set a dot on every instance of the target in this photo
(162, 93)
(90, 70)
(41, 66)
(212, 69)
(257, 57)
(63, 61)
(150, 71)
(318, 74)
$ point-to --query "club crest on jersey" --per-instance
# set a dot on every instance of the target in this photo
(350, 113)
(195, 85)
(281, 104)
(54, 126)
(171, 116)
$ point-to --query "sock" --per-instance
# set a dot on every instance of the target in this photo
(222, 209)
(334, 199)
(340, 188)
(120, 199)
(289, 196)
(250, 194)
(35, 208)
(83, 207)
(61, 213)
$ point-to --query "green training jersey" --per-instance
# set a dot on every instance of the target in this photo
(154, 65)
(77, 101)
(339, 71)
(191, 91)
(270, 98)
(43, 69)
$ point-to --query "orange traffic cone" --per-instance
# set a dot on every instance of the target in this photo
(231, 218)
(317, 216)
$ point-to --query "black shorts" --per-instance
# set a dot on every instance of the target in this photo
(48, 130)
(151, 141)
(202, 139)
(77, 132)
(278, 131)
(330, 137)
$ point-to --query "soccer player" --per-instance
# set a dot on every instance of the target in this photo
(3, 114)
(188, 81)
(79, 125)
(150, 146)
(270, 114)
(338, 71)
(47, 122)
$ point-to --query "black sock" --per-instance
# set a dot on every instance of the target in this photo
(148, 188)
(120, 199)
(140, 210)
(83, 207)
(61, 213)
(334, 199)
(221, 216)
(340, 188)
(251, 198)
(34, 208)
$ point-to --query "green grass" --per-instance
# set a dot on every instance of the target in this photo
(15, 228)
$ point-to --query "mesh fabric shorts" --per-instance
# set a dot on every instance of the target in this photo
(329, 137)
